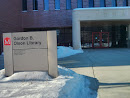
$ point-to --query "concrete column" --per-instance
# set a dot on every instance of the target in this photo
(129, 36)
(8, 56)
(52, 53)
(76, 33)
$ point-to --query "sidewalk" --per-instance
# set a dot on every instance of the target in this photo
(110, 66)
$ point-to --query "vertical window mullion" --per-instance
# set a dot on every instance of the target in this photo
(57, 4)
(46, 4)
(91, 3)
(80, 3)
(102, 3)
(68, 4)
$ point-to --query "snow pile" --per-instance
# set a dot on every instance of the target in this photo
(2, 72)
(67, 51)
(33, 85)
(2, 53)
(25, 76)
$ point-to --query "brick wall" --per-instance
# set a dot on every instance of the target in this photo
(10, 15)
(12, 18)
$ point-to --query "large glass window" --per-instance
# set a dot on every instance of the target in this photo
(91, 3)
(114, 3)
(80, 3)
(68, 4)
(125, 3)
(57, 4)
(64, 37)
(46, 4)
(102, 3)
(35, 5)
(24, 5)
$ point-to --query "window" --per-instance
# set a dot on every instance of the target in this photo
(102, 3)
(46, 4)
(114, 3)
(125, 3)
(91, 3)
(68, 4)
(35, 5)
(80, 3)
(57, 4)
(24, 5)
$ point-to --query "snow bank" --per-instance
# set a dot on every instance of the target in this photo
(67, 51)
(33, 85)
(2, 73)
(77, 86)
(2, 53)
(25, 76)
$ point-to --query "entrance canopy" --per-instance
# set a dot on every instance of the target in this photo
(110, 14)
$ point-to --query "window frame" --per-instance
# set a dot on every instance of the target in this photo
(91, 3)
(102, 3)
(68, 4)
(46, 5)
(24, 5)
(79, 3)
(114, 3)
(57, 4)
(35, 5)
(125, 3)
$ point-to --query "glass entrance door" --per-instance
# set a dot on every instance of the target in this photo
(100, 39)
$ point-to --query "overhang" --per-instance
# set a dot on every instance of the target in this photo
(102, 13)
(112, 14)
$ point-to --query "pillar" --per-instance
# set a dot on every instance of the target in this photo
(76, 33)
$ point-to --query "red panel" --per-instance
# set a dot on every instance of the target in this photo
(100, 39)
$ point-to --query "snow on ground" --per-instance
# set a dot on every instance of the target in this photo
(2, 53)
(40, 85)
(67, 51)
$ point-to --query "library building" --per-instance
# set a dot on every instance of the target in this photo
(79, 23)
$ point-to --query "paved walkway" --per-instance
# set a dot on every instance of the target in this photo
(110, 66)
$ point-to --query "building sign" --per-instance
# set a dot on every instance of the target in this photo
(30, 51)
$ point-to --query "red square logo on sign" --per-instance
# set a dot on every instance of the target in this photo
(7, 41)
